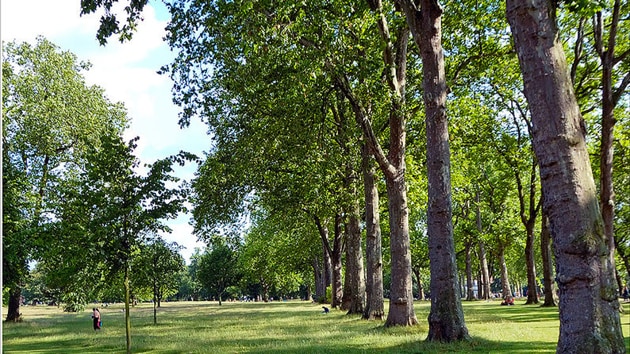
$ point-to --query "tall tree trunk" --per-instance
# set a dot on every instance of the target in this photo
(354, 252)
(374, 305)
(355, 255)
(470, 293)
(127, 317)
(401, 310)
(589, 307)
(528, 214)
(347, 279)
(532, 284)
(13, 312)
(155, 302)
(320, 285)
(416, 273)
(505, 282)
(421, 295)
(333, 255)
(610, 98)
(337, 267)
(545, 251)
(328, 269)
(484, 285)
(479, 286)
(446, 319)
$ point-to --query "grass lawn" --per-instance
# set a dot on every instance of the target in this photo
(278, 327)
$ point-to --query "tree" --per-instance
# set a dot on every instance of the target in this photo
(277, 252)
(156, 267)
(50, 117)
(392, 163)
(589, 308)
(600, 55)
(189, 286)
(126, 207)
(374, 304)
(218, 269)
(446, 319)
(611, 95)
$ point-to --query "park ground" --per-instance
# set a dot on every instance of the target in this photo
(278, 327)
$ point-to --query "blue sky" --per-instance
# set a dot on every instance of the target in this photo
(127, 72)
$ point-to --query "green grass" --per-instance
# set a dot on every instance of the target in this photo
(278, 327)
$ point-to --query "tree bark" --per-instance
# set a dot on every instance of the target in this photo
(127, 318)
(532, 284)
(332, 255)
(446, 319)
(610, 98)
(505, 282)
(13, 311)
(470, 293)
(347, 279)
(320, 286)
(401, 312)
(485, 272)
(354, 256)
(155, 302)
(484, 285)
(328, 269)
(589, 307)
(374, 305)
(421, 295)
(337, 267)
(529, 221)
(545, 251)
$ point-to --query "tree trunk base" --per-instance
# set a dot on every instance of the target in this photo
(374, 316)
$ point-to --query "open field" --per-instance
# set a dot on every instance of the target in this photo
(278, 327)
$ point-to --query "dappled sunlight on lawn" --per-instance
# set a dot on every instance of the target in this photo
(278, 327)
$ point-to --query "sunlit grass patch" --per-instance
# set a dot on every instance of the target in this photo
(279, 327)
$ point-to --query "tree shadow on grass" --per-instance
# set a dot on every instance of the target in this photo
(473, 346)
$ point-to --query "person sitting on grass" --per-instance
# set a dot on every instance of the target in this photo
(508, 301)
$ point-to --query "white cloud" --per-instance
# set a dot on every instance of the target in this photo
(182, 234)
(23, 20)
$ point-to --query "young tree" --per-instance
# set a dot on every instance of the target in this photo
(589, 308)
(126, 207)
(157, 267)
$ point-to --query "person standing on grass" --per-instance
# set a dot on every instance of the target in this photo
(96, 318)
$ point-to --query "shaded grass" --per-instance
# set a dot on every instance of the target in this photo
(279, 327)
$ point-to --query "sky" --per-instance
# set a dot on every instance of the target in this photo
(127, 72)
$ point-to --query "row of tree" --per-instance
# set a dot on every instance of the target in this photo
(281, 84)
(305, 102)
